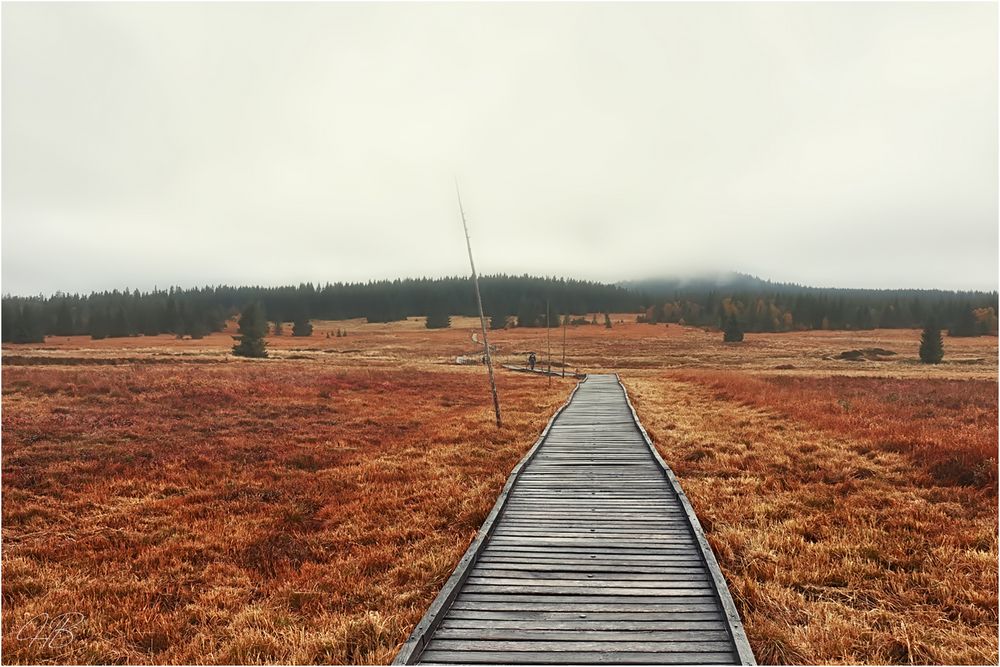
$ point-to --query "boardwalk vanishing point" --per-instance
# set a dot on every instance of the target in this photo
(591, 555)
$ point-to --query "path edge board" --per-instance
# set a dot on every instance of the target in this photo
(734, 622)
(415, 644)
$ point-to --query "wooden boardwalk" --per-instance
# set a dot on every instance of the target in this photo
(592, 554)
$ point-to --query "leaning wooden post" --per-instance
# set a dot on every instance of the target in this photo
(548, 340)
(479, 302)
(564, 345)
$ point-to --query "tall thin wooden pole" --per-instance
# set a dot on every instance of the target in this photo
(564, 345)
(479, 302)
(548, 340)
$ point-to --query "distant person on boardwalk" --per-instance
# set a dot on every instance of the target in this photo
(531, 360)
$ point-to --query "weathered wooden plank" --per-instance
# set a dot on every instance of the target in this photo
(566, 573)
(642, 534)
(690, 607)
(596, 589)
(601, 633)
(581, 598)
(663, 544)
(644, 646)
(526, 570)
(576, 657)
(593, 558)
(455, 621)
(642, 553)
(612, 559)
(591, 581)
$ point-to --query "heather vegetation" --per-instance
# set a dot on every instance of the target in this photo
(307, 507)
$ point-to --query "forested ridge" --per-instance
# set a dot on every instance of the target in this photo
(508, 300)
(763, 306)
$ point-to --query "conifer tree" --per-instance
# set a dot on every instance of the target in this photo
(438, 319)
(278, 329)
(498, 320)
(28, 327)
(607, 320)
(99, 323)
(150, 319)
(119, 326)
(302, 327)
(64, 320)
(198, 327)
(733, 332)
(191, 323)
(8, 318)
(182, 321)
(171, 317)
(863, 318)
(966, 325)
(931, 345)
(528, 313)
(253, 328)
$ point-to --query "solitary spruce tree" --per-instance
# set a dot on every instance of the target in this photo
(438, 319)
(931, 346)
(253, 328)
(733, 332)
(607, 320)
(302, 327)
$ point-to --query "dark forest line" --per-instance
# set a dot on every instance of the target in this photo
(759, 306)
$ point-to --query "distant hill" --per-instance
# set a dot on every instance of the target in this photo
(705, 300)
(762, 305)
(733, 281)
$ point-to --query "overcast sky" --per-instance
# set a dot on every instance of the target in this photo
(188, 144)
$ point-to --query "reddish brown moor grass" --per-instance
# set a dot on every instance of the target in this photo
(762, 510)
(836, 550)
(247, 512)
(948, 427)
